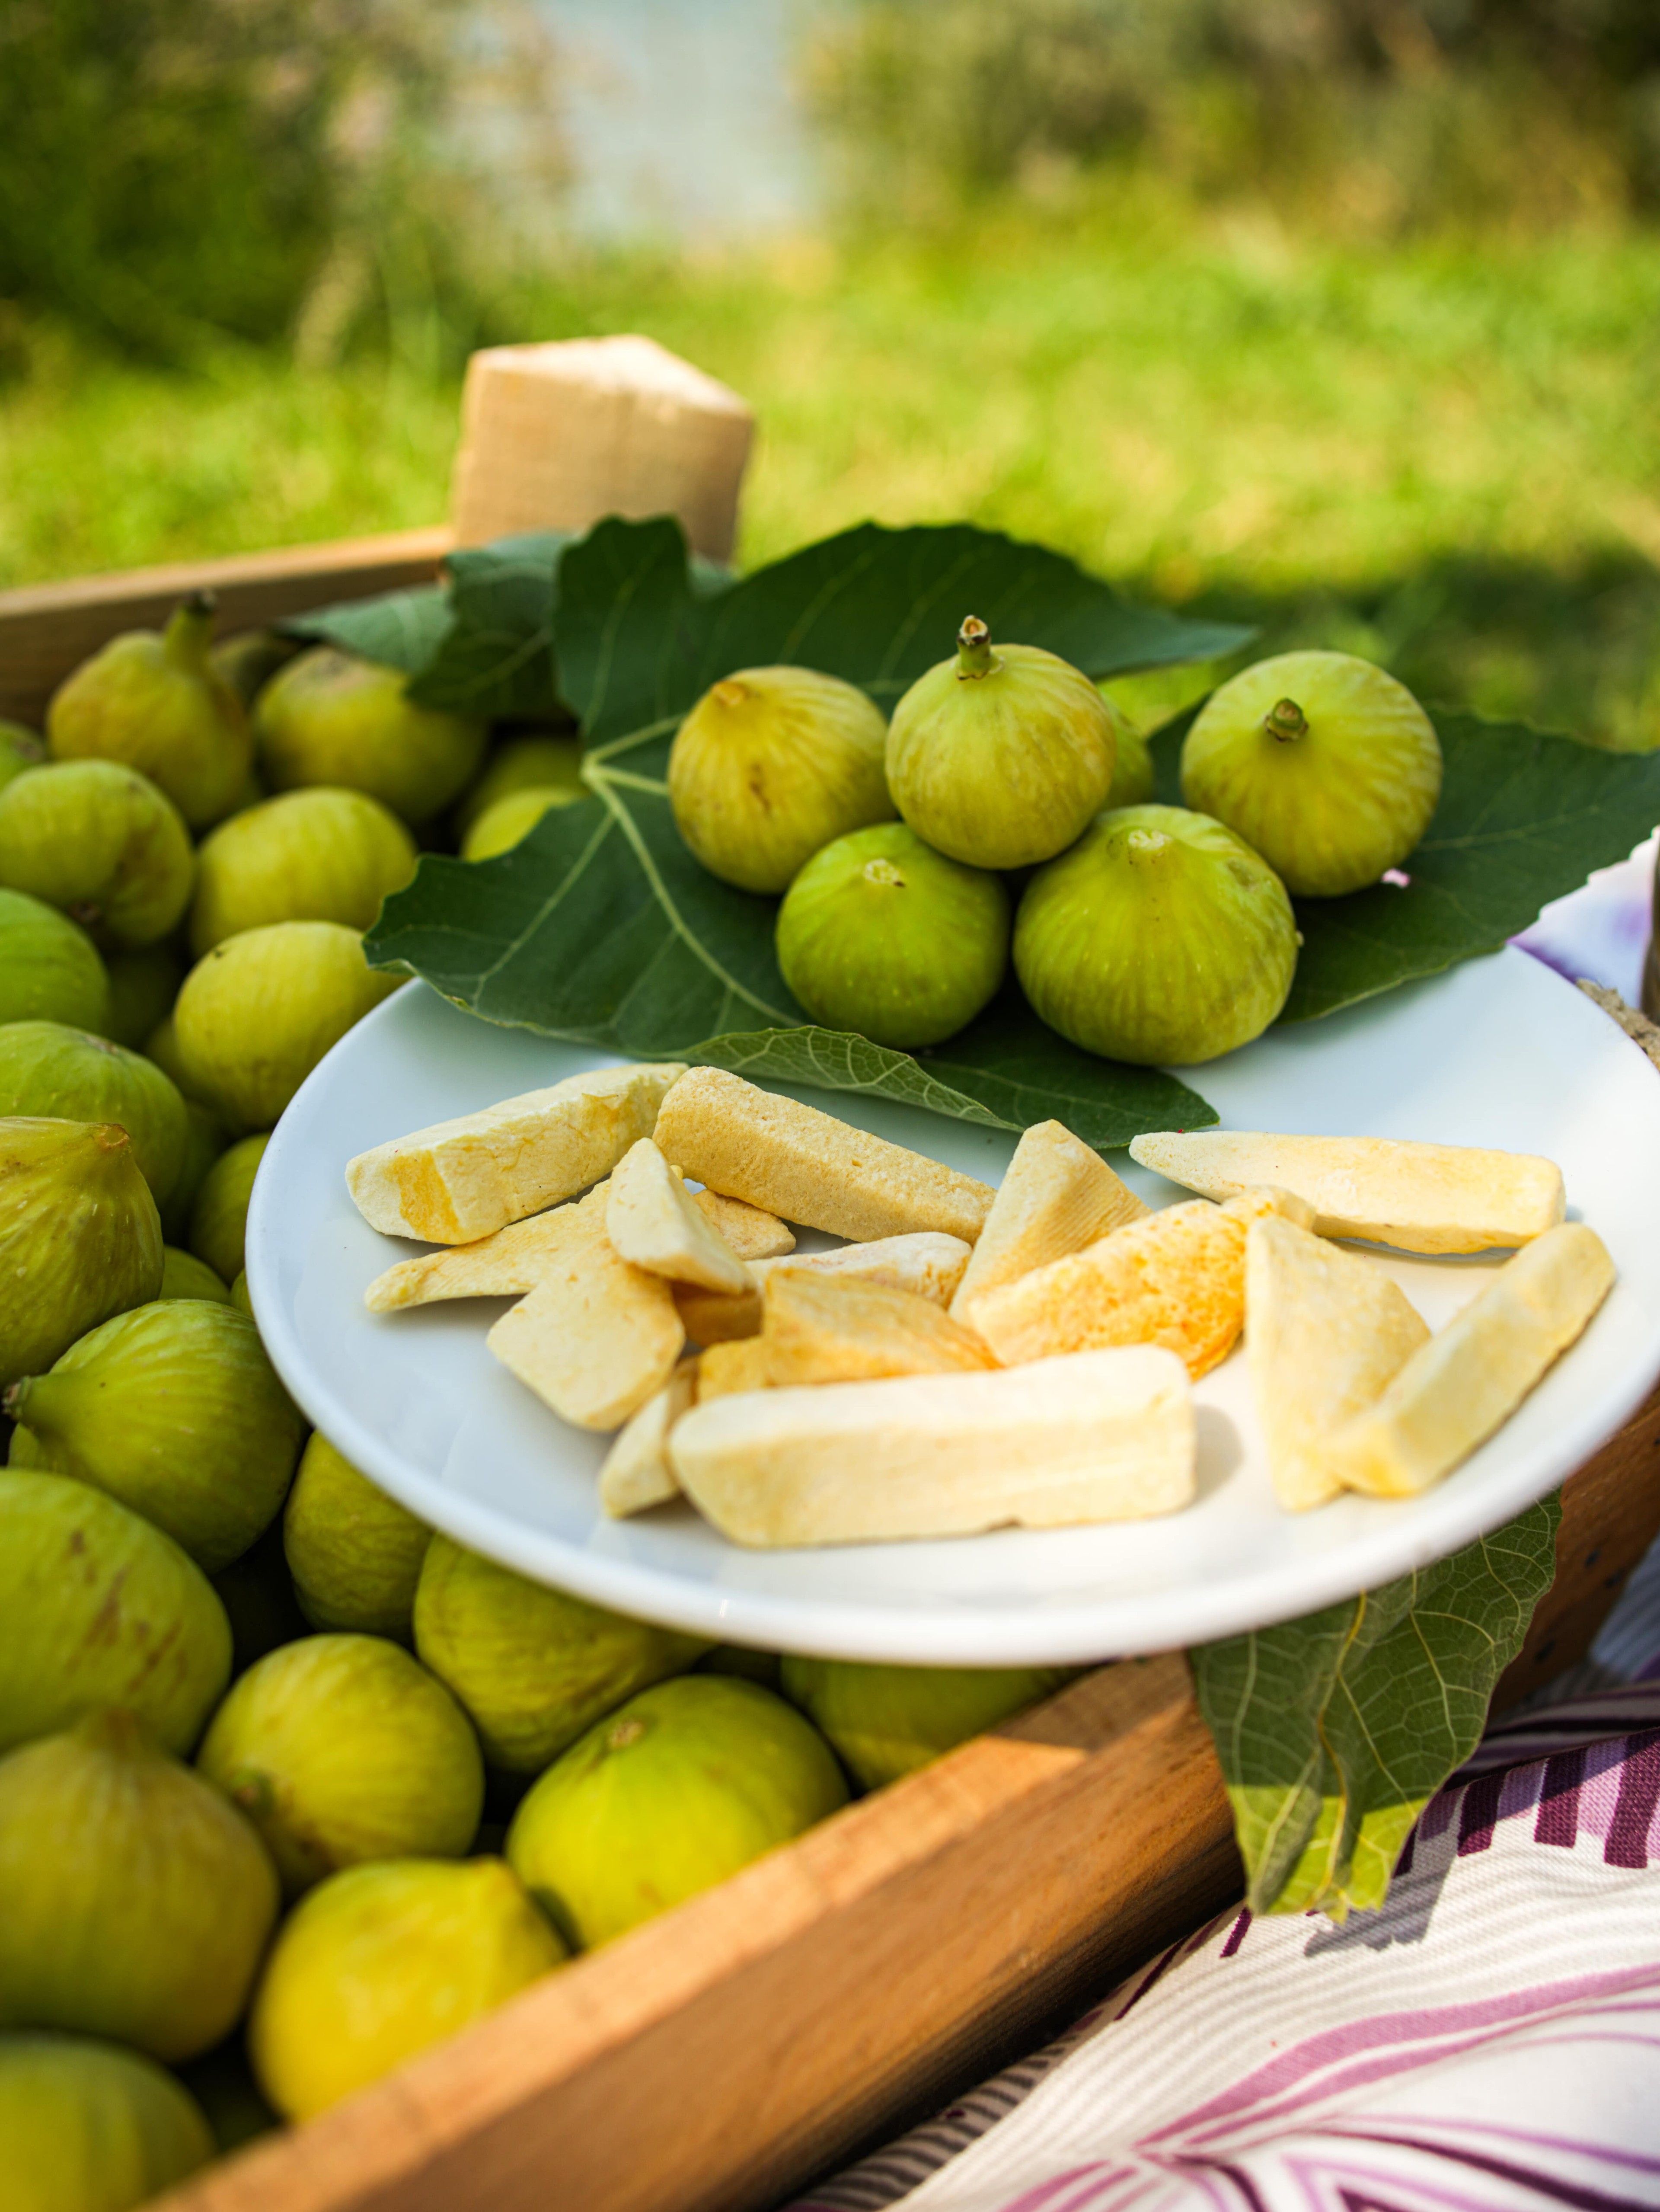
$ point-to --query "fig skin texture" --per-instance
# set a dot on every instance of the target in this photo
(49, 1069)
(882, 934)
(204, 1141)
(88, 2127)
(80, 1237)
(218, 1219)
(100, 1609)
(884, 1722)
(330, 718)
(771, 765)
(668, 1795)
(314, 856)
(248, 660)
(382, 1961)
(257, 1013)
(527, 763)
(1161, 939)
(154, 700)
(49, 968)
(143, 988)
(533, 1668)
(507, 822)
(354, 1552)
(103, 843)
(1322, 762)
(185, 1276)
(20, 749)
(1133, 781)
(175, 1409)
(1003, 756)
(138, 1902)
(340, 1749)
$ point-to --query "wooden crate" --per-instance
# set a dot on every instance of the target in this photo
(721, 2056)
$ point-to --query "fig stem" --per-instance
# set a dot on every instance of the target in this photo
(1286, 720)
(975, 658)
(190, 630)
(16, 1398)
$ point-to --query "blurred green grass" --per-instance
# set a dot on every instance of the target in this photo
(1445, 454)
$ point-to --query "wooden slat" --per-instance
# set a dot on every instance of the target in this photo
(48, 629)
(717, 2058)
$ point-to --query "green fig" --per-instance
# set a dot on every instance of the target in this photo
(1322, 762)
(219, 1219)
(664, 1797)
(769, 765)
(331, 717)
(248, 660)
(20, 749)
(1001, 757)
(257, 1013)
(162, 1046)
(1133, 778)
(80, 1237)
(101, 841)
(382, 1961)
(241, 1295)
(882, 934)
(257, 1592)
(511, 820)
(87, 2127)
(185, 1276)
(50, 969)
(528, 763)
(532, 1667)
(763, 1667)
(888, 1721)
(137, 1902)
(100, 1609)
(47, 1069)
(343, 1748)
(204, 1142)
(354, 1552)
(143, 988)
(1161, 939)
(154, 701)
(316, 855)
(174, 1409)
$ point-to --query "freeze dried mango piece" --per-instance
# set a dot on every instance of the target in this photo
(597, 1337)
(459, 1181)
(1471, 1375)
(1057, 1196)
(929, 1263)
(752, 1233)
(1100, 1436)
(724, 1368)
(824, 1329)
(713, 1317)
(1176, 1278)
(1325, 1329)
(806, 1166)
(653, 1223)
(503, 1265)
(637, 1473)
(1420, 1198)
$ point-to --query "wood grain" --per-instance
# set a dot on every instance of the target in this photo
(48, 629)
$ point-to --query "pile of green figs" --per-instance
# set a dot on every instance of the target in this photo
(291, 1786)
(1004, 817)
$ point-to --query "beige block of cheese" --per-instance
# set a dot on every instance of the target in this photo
(637, 1473)
(1101, 1436)
(461, 1180)
(1471, 1375)
(808, 1167)
(597, 1337)
(653, 1223)
(752, 1233)
(1057, 1196)
(1420, 1198)
(827, 1329)
(930, 1263)
(1325, 1329)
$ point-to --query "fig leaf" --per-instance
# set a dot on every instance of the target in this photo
(1335, 1731)
(1523, 818)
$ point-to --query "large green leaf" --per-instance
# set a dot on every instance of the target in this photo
(1333, 1732)
(1523, 818)
(403, 629)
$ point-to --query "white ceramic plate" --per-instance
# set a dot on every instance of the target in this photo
(1499, 1052)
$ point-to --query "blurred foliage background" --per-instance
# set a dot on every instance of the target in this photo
(1342, 315)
